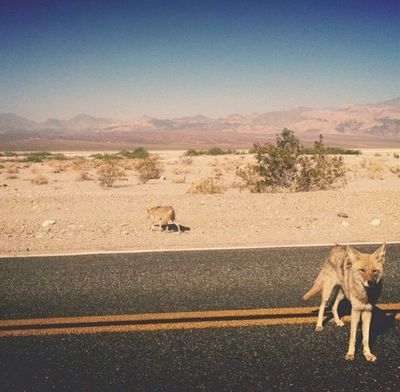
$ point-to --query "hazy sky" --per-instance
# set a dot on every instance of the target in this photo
(166, 59)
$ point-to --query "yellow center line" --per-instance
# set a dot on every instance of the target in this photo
(59, 325)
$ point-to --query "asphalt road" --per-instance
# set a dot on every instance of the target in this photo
(252, 358)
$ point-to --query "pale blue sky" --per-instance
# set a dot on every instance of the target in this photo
(166, 59)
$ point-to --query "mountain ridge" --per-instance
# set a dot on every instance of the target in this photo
(380, 120)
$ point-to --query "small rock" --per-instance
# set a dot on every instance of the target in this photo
(345, 224)
(342, 215)
(375, 222)
(48, 223)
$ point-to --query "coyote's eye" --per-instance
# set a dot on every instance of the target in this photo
(362, 269)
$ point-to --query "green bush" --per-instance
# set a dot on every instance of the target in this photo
(285, 167)
(138, 153)
(149, 168)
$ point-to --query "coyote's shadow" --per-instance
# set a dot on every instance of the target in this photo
(173, 228)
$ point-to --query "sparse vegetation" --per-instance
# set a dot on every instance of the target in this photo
(207, 185)
(138, 153)
(83, 176)
(211, 151)
(149, 168)
(36, 156)
(39, 179)
(375, 169)
(109, 172)
(284, 166)
(396, 156)
(331, 151)
(395, 170)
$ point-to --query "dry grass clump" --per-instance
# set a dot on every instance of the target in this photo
(58, 166)
(181, 170)
(81, 163)
(12, 169)
(218, 172)
(186, 161)
(110, 171)
(395, 170)
(207, 185)
(12, 177)
(375, 169)
(83, 176)
(149, 168)
(179, 179)
(39, 179)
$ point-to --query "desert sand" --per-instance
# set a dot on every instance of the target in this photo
(83, 216)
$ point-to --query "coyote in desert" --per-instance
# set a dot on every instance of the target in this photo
(161, 215)
(354, 272)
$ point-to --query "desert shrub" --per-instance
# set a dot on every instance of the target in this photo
(284, 166)
(37, 156)
(249, 178)
(149, 168)
(105, 156)
(194, 153)
(319, 171)
(109, 172)
(211, 151)
(331, 151)
(83, 176)
(138, 153)
(58, 157)
(187, 161)
(80, 163)
(215, 151)
(395, 170)
(375, 169)
(39, 179)
(10, 154)
(277, 164)
(207, 185)
(396, 156)
(12, 169)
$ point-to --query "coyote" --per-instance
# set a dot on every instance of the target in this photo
(161, 215)
(354, 272)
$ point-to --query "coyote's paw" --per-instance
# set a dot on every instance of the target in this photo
(370, 357)
(349, 357)
(340, 323)
(318, 328)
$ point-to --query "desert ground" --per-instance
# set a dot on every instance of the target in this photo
(60, 206)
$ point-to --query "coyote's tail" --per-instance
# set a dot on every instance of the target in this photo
(316, 288)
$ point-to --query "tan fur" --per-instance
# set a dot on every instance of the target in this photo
(353, 272)
(162, 215)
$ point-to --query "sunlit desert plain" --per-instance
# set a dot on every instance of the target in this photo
(59, 206)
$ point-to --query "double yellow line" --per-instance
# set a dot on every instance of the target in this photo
(164, 321)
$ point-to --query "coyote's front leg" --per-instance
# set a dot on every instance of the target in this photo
(355, 319)
(366, 317)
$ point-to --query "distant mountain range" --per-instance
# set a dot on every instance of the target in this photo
(355, 125)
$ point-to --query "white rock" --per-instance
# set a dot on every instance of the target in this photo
(48, 223)
(375, 222)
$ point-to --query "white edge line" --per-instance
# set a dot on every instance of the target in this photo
(134, 251)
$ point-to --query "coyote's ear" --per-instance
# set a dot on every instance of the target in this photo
(353, 254)
(379, 254)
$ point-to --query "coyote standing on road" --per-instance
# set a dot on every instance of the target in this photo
(354, 272)
(161, 215)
